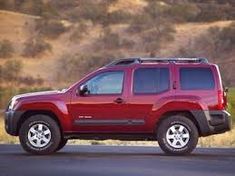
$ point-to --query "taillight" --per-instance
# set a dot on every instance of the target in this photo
(221, 102)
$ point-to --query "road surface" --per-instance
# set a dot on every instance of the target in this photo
(116, 161)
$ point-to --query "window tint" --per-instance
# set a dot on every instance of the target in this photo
(196, 78)
(106, 83)
(151, 80)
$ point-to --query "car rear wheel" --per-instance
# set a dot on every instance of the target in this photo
(40, 134)
(177, 135)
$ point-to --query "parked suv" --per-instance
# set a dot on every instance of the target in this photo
(173, 101)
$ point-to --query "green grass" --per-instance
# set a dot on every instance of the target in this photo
(231, 100)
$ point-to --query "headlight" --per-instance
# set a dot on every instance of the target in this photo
(12, 104)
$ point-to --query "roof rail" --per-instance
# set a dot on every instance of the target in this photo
(177, 60)
(129, 61)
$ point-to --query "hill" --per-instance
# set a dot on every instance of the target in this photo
(88, 32)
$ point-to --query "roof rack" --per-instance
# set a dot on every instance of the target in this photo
(176, 60)
(130, 61)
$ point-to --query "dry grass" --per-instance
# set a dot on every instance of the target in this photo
(220, 140)
(4, 137)
(17, 27)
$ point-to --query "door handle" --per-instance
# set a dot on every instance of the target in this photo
(119, 100)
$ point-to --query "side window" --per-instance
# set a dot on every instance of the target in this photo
(106, 83)
(151, 80)
(196, 79)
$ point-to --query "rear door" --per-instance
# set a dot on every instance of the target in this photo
(151, 85)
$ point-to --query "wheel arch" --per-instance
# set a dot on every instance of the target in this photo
(185, 113)
(30, 113)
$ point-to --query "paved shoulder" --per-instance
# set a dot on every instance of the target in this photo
(116, 160)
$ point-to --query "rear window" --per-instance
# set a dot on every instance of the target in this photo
(196, 79)
(151, 80)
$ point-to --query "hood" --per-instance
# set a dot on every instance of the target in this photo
(38, 94)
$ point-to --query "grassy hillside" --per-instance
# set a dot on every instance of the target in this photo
(17, 28)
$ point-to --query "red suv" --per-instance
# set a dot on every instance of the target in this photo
(173, 101)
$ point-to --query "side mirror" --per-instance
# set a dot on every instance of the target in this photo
(82, 90)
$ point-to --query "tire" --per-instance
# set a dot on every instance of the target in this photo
(63, 142)
(40, 135)
(177, 135)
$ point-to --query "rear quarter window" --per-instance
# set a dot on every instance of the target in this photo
(196, 79)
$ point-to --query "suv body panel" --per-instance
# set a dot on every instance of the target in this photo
(138, 116)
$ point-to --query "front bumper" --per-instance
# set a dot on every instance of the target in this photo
(213, 122)
(12, 119)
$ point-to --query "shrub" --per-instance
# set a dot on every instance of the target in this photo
(140, 23)
(154, 38)
(215, 43)
(117, 17)
(11, 70)
(35, 46)
(6, 49)
(79, 31)
(30, 81)
(76, 65)
(50, 28)
(110, 40)
(182, 12)
(34, 7)
(89, 10)
(214, 12)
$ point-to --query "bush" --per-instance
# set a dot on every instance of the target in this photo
(154, 38)
(215, 43)
(6, 49)
(182, 12)
(140, 23)
(117, 17)
(30, 81)
(89, 10)
(11, 70)
(215, 12)
(35, 46)
(75, 66)
(110, 40)
(50, 28)
(79, 31)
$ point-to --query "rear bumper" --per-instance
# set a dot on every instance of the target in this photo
(213, 122)
(11, 121)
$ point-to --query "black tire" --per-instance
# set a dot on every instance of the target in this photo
(167, 143)
(63, 142)
(48, 123)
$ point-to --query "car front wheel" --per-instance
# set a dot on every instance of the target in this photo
(40, 134)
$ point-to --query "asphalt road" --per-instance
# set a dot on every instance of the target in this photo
(116, 161)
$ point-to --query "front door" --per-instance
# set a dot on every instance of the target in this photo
(103, 108)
